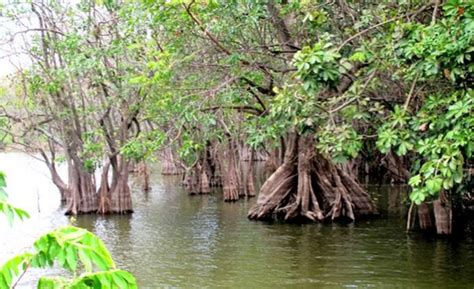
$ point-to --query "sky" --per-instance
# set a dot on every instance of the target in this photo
(10, 51)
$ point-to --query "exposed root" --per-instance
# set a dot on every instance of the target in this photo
(308, 186)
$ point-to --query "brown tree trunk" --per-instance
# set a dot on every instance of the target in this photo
(144, 172)
(278, 186)
(308, 186)
(306, 203)
(250, 183)
(205, 187)
(272, 163)
(115, 198)
(120, 196)
(81, 187)
(443, 214)
(396, 166)
(229, 174)
(170, 164)
(424, 217)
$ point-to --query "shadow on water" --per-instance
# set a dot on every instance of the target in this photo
(174, 240)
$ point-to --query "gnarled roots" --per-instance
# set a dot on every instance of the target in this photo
(308, 186)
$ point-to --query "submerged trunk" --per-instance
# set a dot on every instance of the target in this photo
(196, 178)
(424, 217)
(170, 164)
(121, 199)
(81, 188)
(443, 213)
(144, 172)
(191, 182)
(308, 186)
(229, 173)
(250, 183)
(82, 196)
(115, 196)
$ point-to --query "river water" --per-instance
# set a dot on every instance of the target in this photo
(181, 241)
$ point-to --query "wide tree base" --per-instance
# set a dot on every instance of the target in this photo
(309, 187)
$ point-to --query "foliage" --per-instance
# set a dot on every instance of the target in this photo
(184, 74)
(69, 247)
(441, 132)
(317, 66)
(7, 209)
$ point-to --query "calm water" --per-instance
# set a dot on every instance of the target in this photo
(174, 240)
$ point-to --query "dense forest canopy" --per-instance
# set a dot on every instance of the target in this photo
(322, 90)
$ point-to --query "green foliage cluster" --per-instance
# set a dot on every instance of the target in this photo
(440, 134)
(318, 66)
(68, 247)
(71, 248)
(5, 207)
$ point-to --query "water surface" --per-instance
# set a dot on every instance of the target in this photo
(174, 240)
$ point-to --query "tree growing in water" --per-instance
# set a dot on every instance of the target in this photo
(80, 104)
(311, 83)
(436, 122)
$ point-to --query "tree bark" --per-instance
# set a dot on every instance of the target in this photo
(250, 183)
(229, 173)
(309, 187)
(443, 214)
(424, 217)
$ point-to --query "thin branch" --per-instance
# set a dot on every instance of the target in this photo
(423, 8)
(435, 12)
(204, 29)
(410, 94)
(247, 108)
(366, 84)
(21, 276)
(12, 37)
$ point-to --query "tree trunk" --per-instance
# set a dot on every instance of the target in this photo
(308, 186)
(81, 187)
(120, 196)
(443, 214)
(306, 204)
(144, 171)
(250, 183)
(170, 164)
(278, 186)
(115, 198)
(396, 166)
(205, 187)
(192, 180)
(424, 217)
(229, 174)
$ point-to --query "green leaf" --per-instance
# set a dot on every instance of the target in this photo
(415, 180)
(434, 185)
(71, 257)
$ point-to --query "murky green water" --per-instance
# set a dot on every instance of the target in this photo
(174, 240)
